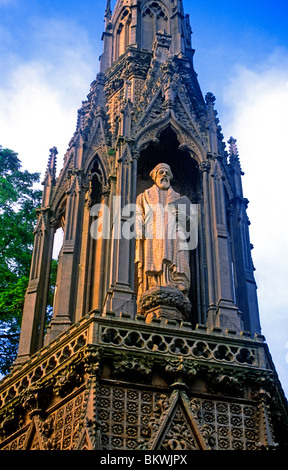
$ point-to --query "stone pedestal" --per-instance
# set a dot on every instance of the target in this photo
(164, 302)
(228, 316)
(56, 327)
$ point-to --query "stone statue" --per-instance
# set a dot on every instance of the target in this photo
(162, 253)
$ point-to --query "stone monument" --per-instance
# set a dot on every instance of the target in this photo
(150, 346)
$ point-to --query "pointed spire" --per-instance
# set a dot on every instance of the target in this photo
(235, 168)
(52, 164)
(234, 159)
(108, 12)
(210, 101)
(50, 176)
(233, 150)
(180, 7)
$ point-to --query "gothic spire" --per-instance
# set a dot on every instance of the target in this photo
(51, 166)
(234, 159)
(108, 12)
(50, 176)
(235, 167)
(210, 101)
(180, 7)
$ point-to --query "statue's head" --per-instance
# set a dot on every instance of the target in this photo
(162, 175)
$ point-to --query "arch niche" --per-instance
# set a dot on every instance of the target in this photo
(93, 250)
(122, 33)
(187, 182)
(154, 17)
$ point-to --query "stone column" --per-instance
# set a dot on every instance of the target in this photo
(82, 304)
(135, 24)
(98, 266)
(67, 275)
(107, 38)
(228, 315)
(177, 24)
(120, 295)
(34, 313)
(205, 168)
(246, 289)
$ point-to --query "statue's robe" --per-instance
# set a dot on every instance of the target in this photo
(160, 257)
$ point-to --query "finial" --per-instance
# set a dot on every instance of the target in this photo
(53, 151)
(52, 161)
(108, 12)
(50, 177)
(233, 152)
(181, 8)
(210, 98)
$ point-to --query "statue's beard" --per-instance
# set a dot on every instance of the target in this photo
(164, 183)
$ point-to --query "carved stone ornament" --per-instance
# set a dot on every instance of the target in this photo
(67, 380)
(175, 425)
(92, 360)
(164, 303)
(180, 370)
(137, 366)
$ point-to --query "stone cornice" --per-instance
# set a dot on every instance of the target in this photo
(112, 333)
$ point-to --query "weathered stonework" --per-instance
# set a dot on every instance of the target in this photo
(119, 383)
(164, 302)
(168, 373)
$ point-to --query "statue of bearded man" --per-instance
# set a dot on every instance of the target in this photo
(162, 255)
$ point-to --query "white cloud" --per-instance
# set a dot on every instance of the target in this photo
(257, 104)
(39, 97)
(27, 111)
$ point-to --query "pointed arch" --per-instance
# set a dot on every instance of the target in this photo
(155, 16)
(96, 170)
(122, 32)
(166, 433)
(165, 147)
(84, 441)
(97, 148)
(151, 133)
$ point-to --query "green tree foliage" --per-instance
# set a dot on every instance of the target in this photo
(18, 201)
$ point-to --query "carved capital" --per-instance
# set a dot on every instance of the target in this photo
(36, 399)
(181, 370)
(9, 421)
(67, 380)
(92, 358)
(205, 166)
(125, 363)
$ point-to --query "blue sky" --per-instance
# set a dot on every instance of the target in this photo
(49, 54)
